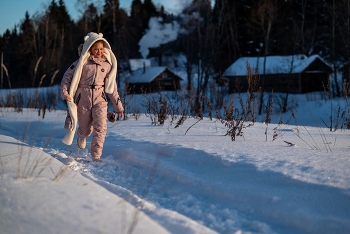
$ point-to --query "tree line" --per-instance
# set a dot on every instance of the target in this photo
(38, 50)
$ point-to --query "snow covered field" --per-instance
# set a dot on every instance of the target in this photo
(160, 179)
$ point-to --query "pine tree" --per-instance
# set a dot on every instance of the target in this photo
(27, 51)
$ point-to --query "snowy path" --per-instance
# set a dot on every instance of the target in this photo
(223, 195)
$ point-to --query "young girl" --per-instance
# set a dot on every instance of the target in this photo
(84, 86)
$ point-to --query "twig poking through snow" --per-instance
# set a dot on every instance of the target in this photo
(289, 143)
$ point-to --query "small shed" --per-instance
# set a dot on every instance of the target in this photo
(153, 79)
(286, 74)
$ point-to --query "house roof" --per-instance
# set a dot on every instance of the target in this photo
(145, 75)
(292, 64)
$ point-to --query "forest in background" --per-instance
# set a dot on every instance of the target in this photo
(41, 47)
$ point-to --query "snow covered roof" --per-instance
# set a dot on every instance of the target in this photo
(291, 64)
(145, 75)
(139, 63)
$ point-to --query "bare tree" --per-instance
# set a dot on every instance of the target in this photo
(334, 11)
(264, 16)
(82, 6)
(226, 23)
(343, 14)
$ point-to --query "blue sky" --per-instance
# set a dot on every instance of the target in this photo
(12, 12)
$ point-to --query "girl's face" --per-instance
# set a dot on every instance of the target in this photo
(97, 49)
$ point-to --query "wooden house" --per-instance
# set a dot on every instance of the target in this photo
(153, 79)
(287, 74)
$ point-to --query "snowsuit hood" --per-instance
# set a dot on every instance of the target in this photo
(89, 40)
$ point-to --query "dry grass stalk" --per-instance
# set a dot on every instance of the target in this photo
(61, 174)
(182, 119)
(193, 125)
(53, 77)
(346, 92)
(7, 75)
(253, 86)
(269, 111)
(323, 136)
(36, 69)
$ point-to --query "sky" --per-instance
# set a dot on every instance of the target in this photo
(167, 179)
(13, 11)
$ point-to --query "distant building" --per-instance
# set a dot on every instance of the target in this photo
(287, 74)
(153, 79)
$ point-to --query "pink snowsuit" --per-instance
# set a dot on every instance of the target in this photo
(91, 100)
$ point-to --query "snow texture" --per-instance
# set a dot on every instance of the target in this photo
(161, 179)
